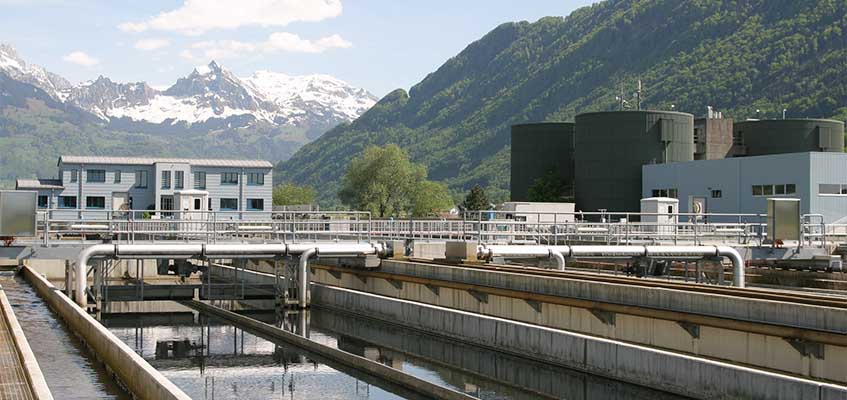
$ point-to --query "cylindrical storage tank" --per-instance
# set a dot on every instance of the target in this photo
(611, 148)
(537, 149)
(776, 136)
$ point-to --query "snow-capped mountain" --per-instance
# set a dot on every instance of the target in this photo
(212, 92)
(297, 96)
(16, 68)
(208, 93)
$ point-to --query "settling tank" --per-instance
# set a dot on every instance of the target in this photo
(778, 136)
(538, 148)
(612, 146)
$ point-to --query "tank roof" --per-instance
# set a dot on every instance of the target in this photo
(636, 112)
(543, 123)
(789, 120)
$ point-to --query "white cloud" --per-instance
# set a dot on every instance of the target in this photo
(80, 58)
(277, 42)
(151, 44)
(195, 17)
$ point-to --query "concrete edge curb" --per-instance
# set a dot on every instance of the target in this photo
(31, 368)
(142, 380)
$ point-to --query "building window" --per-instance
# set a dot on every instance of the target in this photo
(256, 179)
(95, 176)
(229, 178)
(200, 180)
(697, 135)
(179, 179)
(717, 194)
(229, 204)
(256, 204)
(117, 176)
(167, 203)
(832, 189)
(210, 204)
(74, 175)
(767, 190)
(166, 179)
(95, 202)
(67, 201)
(774, 190)
(43, 201)
(671, 193)
(141, 179)
(738, 138)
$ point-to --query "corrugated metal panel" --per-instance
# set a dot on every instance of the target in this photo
(204, 162)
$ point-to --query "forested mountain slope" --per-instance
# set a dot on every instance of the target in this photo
(737, 56)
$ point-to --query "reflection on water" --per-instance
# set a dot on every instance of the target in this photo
(68, 369)
(212, 359)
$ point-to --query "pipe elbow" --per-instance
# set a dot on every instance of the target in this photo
(559, 257)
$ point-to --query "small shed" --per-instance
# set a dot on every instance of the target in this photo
(660, 214)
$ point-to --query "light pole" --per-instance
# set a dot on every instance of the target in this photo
(783, 112)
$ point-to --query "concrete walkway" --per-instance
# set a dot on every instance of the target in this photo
(13, 382)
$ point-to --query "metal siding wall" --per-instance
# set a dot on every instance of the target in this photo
(735, 178)
(828, 168)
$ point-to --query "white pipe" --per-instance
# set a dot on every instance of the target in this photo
(559, 257)
(216, 250)
(304, 277)
(559, 253)
(82, 269)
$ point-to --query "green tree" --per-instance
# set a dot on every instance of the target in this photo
(476, 200)
(289, 194)
(430, 198)
(550, 187)
(381, 180)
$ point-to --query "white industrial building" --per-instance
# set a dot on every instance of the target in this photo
(743, 185)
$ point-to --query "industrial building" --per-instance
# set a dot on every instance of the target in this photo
(120, 183)
(538, 149)
(607, 153)
(743, 184)
(611, 147)
(713, 138)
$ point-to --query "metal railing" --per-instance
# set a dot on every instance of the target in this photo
(492, 227)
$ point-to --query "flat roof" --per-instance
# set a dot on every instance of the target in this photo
(203, 162)
(38, 184)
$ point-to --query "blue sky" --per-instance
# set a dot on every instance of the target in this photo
(379, 45)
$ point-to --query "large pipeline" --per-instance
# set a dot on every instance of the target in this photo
(561, 253)
(304, 251)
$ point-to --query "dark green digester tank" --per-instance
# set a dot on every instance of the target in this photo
(776, 136)
(612, 146)
(538, 148)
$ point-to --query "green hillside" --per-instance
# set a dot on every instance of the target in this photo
(737, 56)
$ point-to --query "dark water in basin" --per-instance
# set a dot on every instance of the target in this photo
(212, 359)
(67, 367)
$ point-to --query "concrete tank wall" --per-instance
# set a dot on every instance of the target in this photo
(538, 148)
(611, 147)
(790, 136)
